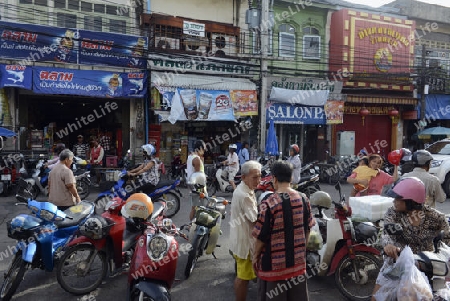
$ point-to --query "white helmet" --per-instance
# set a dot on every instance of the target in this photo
(149, 149)
(321, 198)
(233, 147)
(198, 180)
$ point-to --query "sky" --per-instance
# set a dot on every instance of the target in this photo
(378, 3)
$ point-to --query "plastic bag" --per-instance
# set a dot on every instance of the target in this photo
(315, 241)
(414, 285)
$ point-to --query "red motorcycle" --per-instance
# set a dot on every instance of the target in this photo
(154, 262)
(107, 241)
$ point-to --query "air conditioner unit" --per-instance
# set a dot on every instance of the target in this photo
(223, 45)
(167, 43)
(196, 48)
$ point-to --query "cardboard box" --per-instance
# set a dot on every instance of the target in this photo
(371, 207)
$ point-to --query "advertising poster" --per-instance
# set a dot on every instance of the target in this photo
(15, 76)
(334, 110)
(37, 43)
(87, 82)
(103, 48)
(245, 102)
(201, 105)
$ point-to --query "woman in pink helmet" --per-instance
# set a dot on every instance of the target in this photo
(420, 223)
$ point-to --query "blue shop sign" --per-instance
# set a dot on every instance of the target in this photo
(89, 83)
(15, 76)
(295, 114)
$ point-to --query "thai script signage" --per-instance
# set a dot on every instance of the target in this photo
(193, 29)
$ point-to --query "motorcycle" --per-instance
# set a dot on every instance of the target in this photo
(7, 175)
(178, 170)
(83, 179)
(219, 182)
(345, 251)
(165, 190)
(152, 268)
(308, 184)
(204, 230)
(38, 183)
(106, 243)
(41, 238)
(432, 264)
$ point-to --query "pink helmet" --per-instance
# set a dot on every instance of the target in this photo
(409, 189)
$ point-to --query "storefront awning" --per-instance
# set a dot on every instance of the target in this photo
(382, 100)
(299, 97)
(169, 81)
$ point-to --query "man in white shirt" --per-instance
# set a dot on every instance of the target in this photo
(232, 163)
(422, 160)
(244, 212)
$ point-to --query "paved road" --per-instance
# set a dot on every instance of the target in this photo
(212, 279)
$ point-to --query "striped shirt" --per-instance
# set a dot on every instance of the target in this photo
(280, 226)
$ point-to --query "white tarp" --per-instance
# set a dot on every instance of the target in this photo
(299, 97)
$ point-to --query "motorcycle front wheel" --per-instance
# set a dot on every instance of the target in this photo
(13, 277)
(83, 189)
(71, 272)
(172, 203)
(192, 257)
(367, 266)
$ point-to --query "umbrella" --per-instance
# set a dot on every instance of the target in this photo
(434, 132)
(6, 133)
(271, 142)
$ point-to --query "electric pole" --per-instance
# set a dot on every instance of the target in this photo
(264, 32)
(422, 83)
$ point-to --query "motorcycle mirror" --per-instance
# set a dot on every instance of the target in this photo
(393, 229)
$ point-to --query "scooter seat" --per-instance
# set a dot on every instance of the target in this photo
(77, 213)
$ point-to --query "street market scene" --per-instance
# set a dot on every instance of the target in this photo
(225, 150)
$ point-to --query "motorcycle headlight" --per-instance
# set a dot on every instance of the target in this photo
(436, 163)
(157, 247)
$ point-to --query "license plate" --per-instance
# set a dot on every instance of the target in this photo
(6, 177)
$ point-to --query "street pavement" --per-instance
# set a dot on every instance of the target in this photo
(212, 279)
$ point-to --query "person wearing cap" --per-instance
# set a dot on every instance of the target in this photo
(81, 149)
(232, 164)
(420, 224)
(422, 161)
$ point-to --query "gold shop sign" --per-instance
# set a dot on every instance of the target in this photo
(372, 110)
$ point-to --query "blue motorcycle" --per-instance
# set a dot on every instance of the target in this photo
(166, 191)
(41, 237)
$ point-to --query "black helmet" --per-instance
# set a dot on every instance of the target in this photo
(95, 227)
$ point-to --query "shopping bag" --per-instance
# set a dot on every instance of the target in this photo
(315, 241)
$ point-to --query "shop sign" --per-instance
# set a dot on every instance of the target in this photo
(245, 102)
(334, 110)
(37, 43)
(201, 105)
(193, 29)
(372, 110)
(293, 83)
(201, 64)
(15, 76)
(292, 114)
(89, 82)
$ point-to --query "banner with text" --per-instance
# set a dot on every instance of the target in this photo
(245, 102)
(89, 83)
(36, 43)
(295, 114)
(201, 105)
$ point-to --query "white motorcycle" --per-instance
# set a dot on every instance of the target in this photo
(219, 181)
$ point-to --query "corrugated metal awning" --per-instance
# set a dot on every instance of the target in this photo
(382, 100)
(170, 81)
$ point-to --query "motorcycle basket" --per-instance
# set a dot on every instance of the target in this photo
(19, 233)
(206, 217)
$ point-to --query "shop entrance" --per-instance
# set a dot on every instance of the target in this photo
(67, 117)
